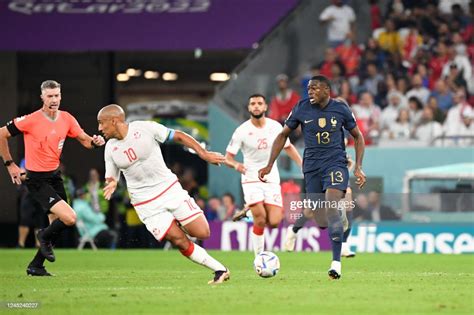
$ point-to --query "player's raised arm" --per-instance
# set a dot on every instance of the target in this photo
(359, 146)
(232, 163)
(188, 141)
(277, 146)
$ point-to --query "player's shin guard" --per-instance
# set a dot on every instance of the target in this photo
(199, 255)
(299, 223)
(336, 232)
(258, 241)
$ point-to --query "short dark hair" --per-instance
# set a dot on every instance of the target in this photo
(322, 79)
(50, 84)
(257, 95)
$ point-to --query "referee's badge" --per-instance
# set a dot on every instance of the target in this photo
(322, 122)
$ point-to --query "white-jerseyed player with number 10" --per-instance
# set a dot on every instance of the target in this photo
(255, 138)
(157, 196)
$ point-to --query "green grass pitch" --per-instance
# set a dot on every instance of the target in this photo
(164, 282)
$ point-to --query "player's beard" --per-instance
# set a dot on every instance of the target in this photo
(257, 116)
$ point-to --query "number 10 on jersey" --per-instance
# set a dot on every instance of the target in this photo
(131, 155)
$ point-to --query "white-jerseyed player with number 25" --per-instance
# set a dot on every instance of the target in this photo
(255, 138)
(160, 201)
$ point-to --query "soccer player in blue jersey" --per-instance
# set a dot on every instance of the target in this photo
(322, 120)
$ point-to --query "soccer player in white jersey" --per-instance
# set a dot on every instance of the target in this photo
(255, 138)
(160, 201)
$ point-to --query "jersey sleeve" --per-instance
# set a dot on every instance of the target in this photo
(74, 128)
(326, 14)
(349, 118)
(160, 132)
(235, 142)
(292, 121)
(20, 125)
(111, 170)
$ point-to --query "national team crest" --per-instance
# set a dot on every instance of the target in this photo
(322, 122)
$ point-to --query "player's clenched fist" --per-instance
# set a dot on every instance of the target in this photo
(263, 172)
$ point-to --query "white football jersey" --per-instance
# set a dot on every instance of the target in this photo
(256, 145)
(138, 156)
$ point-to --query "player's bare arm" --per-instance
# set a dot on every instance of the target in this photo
(188, 141)
(294, 155)
(110, 186)
(90, 142)
(359, 146)
(13, 169)
(277, 146)
(232, 163)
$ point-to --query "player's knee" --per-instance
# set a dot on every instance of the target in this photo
(203, 234)
(70, 219)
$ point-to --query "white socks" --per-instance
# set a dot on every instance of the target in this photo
(258, 243)
(200, 256)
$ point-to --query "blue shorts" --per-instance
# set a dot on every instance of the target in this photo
(336, 177)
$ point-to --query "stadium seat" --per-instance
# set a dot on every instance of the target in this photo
(85, 237)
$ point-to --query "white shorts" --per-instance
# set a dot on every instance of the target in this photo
(174, 204)
(268, 193)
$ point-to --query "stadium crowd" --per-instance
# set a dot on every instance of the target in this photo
(411, 82)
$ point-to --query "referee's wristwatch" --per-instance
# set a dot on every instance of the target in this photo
(8, 163)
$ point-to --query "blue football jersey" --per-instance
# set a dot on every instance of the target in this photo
(323, 132)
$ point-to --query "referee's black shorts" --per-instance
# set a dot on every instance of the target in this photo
(31, 213)
(46, 188)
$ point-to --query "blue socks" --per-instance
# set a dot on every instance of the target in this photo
(336, 232)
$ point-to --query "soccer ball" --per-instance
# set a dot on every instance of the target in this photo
(266, 264)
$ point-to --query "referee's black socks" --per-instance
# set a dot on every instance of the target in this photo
(52, 232)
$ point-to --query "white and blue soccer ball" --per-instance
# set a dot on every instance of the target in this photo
(266, 264)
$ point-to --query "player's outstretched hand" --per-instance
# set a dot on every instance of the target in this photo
(98, 140)
(361, 179)
(213, 157)
(111, 185)
(263, 172)
(239, 167)
(15, 173)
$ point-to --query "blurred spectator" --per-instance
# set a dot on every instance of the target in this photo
(340, 18)
(230, 207)
(379, 212)
(213, 209)
(389, 39)
(368, 116)
(438, 114)
(284, 100)
(373, 79)
(428, 129)
(411, 43)
(349, 53)
(93, 222)
(375, 15)
(371, 53)
(453, 117)
(423, 72)
(418, 90)
(361, 210)
(401, 128)
(337, 75)
(416, 110)
(438, 61)
(391, 112)
(450, 6)
(94, 188)
(346, 93)
(68, 183)
(458, 60)
(402, 85)
(325, 66)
